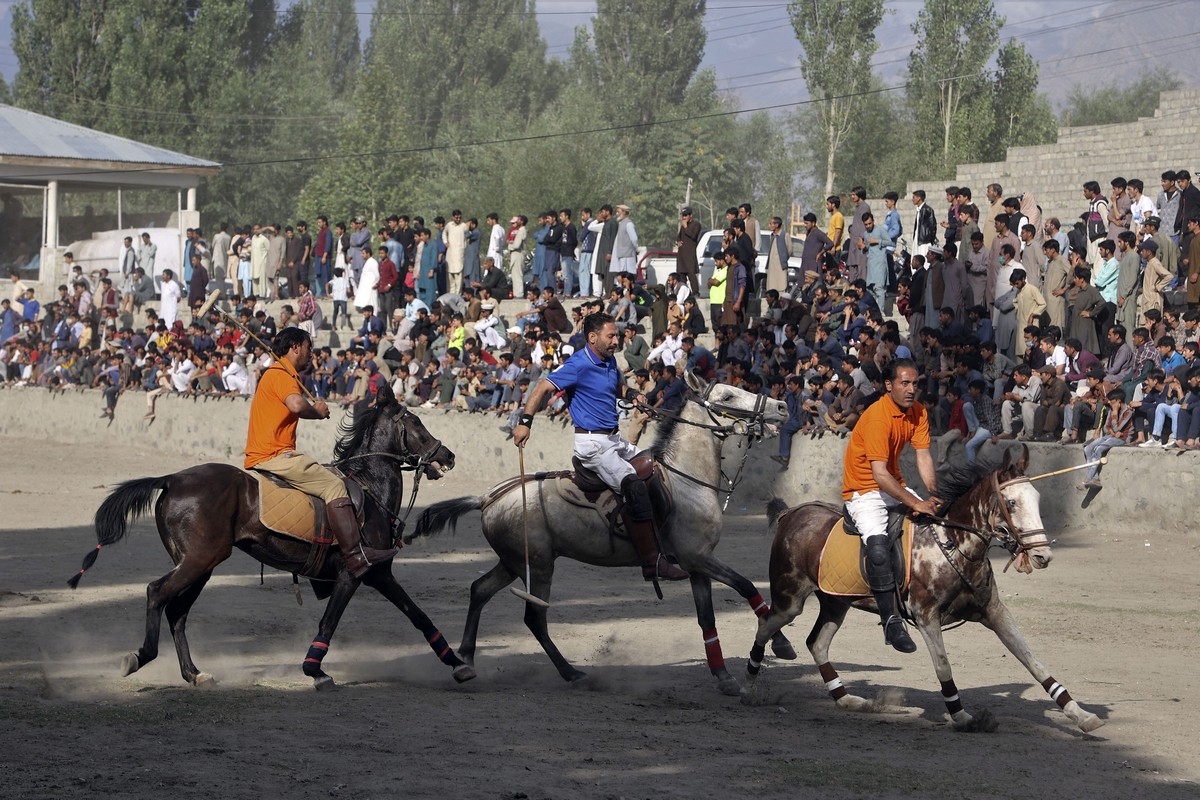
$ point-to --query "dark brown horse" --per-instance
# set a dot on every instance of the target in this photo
(205, 511)
(952, 579)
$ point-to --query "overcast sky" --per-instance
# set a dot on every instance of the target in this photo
(753, 49)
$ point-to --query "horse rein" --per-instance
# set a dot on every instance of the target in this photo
(749, 426)
(1012, 538)
(416, 462)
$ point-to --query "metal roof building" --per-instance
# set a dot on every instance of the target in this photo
(81, 178)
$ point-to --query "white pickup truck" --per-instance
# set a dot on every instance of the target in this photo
(655, 266)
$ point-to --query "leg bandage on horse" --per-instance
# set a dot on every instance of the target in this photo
(316, 653)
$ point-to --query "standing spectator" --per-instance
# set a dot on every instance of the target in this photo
(1119, 209)
(924, 230)
(874, 243)
(198, 290)
(515, 248)
(220, 252)
(471, 267)
(567, 245)
(978, 266)
(856, 259)
(1097, 221)
(539, 249)
(605, 227)
(339, 290)
(1117, 428)
(587, 250)
(322, 255)
(778, 253)
(168, 309)
(388, 287)
(1168, 250)
(1189, 200)
(1029, 304)
(1155, 281)
(1192, 263)
(624, 249)
(496, 240)
(1056, 283)
(360, 238)
(454, 236)
(146, 254)
(1141, 207)
(259, 247)
(687, 242)
(1086, 308)
(837, 223)
(816, 244)
(304, 264)
(1167, 206)
(276, 253)
(366, 291)
(308, 311)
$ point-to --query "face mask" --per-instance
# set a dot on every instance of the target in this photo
(1002, 260)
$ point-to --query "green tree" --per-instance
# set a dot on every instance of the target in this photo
(838, 39)
(1114, 103)
(949, 88)
(1022, 115)
(66, 53)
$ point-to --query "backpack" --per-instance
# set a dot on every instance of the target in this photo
(1097, 226)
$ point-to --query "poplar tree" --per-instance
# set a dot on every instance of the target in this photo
(838, 39)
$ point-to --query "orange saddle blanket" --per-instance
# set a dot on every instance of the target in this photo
(288, 511)
(841, 562)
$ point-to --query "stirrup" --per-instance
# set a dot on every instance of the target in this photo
(895, 634)
(664, 570)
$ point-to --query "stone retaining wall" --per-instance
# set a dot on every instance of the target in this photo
(1145, 489)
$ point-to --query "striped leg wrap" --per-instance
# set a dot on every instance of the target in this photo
(759, 605)
(439, 645)
(833, 683)
(756, 658)
(950, 696)
(316, 651)
(1058, 693)
(712, 649)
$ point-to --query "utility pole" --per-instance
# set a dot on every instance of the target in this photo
(687, 197)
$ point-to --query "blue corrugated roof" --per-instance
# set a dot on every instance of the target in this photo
(25, 133)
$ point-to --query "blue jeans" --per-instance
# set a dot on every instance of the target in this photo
(570, 268)
(785, 436)
(320, 275)
(1162, 413)
(584, 271)
(1094, 449)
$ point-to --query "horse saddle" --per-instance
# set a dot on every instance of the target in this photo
(286, 510)
(582, 487)
(843, 558)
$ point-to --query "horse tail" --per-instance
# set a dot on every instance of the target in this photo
(440, 515)
(127, 502)
(775, 509)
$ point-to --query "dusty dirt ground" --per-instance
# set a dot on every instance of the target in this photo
(648, 722)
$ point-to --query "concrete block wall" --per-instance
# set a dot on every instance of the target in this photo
(1144, 490)
(1055, 173)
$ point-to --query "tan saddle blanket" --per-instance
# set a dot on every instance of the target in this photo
(841, 570)
(290, 512)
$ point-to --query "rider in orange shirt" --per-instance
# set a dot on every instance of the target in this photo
(872, 484)
(277, 407)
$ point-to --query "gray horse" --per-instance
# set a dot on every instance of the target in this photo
(688, 448)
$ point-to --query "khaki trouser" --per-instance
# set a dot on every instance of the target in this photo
(305, 474)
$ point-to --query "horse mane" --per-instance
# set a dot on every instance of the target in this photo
(664, 439)
(956, 481)
(354, 430)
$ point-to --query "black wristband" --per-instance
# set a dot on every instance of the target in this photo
(526, 420)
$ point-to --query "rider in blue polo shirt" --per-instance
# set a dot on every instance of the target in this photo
(593, 383)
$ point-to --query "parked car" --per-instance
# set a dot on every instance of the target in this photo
(654, 266)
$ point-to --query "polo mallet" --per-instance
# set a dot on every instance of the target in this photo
(1102, 461)
(521, 593)
(207, 306)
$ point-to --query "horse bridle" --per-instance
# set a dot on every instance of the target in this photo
(745, 423)
(1011, 537)
(415, 462)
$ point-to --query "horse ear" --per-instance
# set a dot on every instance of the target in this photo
(1007, 460)
(385, 396)
(1023, 460)
(694, 381)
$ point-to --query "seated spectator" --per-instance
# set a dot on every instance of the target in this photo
(1115, 432)
(1146, 399)
(795, 385)
(1023, 399)
(1047, 418)
(1085, 404)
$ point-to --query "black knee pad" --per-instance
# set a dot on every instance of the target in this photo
(879, 564)
(637, 499)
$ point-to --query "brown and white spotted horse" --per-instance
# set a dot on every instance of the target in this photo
(952, 578)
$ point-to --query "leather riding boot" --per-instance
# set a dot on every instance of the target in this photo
(883, 586)
(654, 565)
(344, 523)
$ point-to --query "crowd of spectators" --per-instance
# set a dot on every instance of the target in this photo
(1023, 328)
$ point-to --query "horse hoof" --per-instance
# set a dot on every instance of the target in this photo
(575, 676)
(983, 722)
(1089, 722)
(205, 681)
(129, 664)
(851, 702)
(729, 687)
(323, 682)
(783, 649)
(463, 673)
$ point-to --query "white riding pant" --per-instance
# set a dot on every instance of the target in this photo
(870, 511)
(606, 454)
